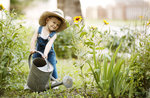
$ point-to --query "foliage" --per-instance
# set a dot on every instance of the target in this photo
(141, 66)
(19, 5)
(128, 39)
(63, 44)
(13, 45)
(111, 78)
(90, 45)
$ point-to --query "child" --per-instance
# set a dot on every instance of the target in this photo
(50, 23)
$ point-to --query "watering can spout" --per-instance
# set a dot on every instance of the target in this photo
(67, 82)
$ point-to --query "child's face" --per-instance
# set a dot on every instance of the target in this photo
(53, 23)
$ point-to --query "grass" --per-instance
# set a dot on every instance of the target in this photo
(64, 67)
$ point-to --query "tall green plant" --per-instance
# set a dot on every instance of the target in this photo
(13, 45)
(141, 66)
(111, 77)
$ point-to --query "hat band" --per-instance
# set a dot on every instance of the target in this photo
(58, 13)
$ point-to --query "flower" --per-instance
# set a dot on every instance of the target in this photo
(148, 23)
(93, 28)
(141, 17)
(77, 19)
(105, 22)
(1, 7)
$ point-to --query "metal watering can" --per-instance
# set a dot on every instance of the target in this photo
(40, 74)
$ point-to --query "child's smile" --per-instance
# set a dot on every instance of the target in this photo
(53, 23)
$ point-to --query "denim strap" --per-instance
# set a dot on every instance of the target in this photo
(40, 30)
(52, 34)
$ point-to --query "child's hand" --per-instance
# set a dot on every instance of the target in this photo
(44, 56)
(32, 51)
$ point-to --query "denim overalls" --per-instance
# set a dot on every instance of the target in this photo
(40, 46)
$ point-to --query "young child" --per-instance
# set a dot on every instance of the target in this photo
(43, 39)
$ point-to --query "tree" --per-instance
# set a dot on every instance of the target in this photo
(71, 8)
(19, 5)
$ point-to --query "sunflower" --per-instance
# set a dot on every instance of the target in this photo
(141, 17)
(105, 22)
(148, 23)
(77, 19)
(1, 7)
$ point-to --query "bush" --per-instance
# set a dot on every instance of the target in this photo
(141, 66)
(128, 40)
(19, 5)
(116, 77)
(13, 45)
(63, 44)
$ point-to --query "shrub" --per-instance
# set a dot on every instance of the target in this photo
(63, 44)
(141, 66)
(13, 45)
(111, 74)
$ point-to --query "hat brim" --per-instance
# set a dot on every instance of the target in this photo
(45, 15)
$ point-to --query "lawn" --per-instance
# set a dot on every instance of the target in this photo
(65, 68)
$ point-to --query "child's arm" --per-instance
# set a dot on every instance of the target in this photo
(49, 45)
(33, 42)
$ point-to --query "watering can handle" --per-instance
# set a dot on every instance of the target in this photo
(29, 59)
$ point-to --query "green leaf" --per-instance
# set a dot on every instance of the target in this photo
(97, 81)
(83, 33)
(118, 66)
(132, 59)
(9, 41)
(14, 35)
(140, 44)
(110, 69)
(89, 43)
(105, 68)
(99, 48)
(82, 28)
(77, 25)
(68, 46)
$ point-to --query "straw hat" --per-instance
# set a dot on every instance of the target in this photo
(57, 13)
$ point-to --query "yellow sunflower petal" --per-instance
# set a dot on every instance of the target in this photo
(141, 17)
(1, 7)
(105, 22)
(148, 24)
(77, 19)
